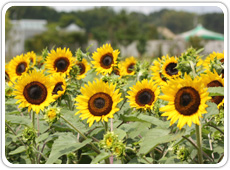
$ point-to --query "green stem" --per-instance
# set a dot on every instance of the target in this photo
(193, 69)
(106, 127)
(33, 119)
(93, 146)
(199, 143)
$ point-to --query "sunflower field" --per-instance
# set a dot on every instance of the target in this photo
(99, 108)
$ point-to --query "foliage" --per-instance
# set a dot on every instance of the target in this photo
(132, 136)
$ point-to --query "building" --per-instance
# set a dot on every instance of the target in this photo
(20, 32)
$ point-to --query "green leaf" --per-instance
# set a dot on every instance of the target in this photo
(154, 120)
(11, 102)
(65, 144)
(211, 110)
(146, 118)
(170, 160)
(74, 119)
(141, 160)
(22, 120)
(100, 157)
(20, 149)
(155, 137)
(42, 137)
(13, 113)
(131, 119)
(134, 129)
(121, 133)
(216, 91)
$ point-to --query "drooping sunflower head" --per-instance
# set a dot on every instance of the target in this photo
(169, 68)
(60, 61)
(186, 100)
(143, 95)
(98, 101)
(18, 66)
(105, 58)
(84, 67)
(32, 57)
(211, 79)
(156, 73)
(59, 83)
(34, 90)
(127, 66)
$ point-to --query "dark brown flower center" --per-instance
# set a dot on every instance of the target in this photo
(35, 93)
(162, 77)
(61, 64)
(222, 60)
(58, 87)
(21, 67)
(100, 104)
(216, 99)
(106, 60)
(130, 67)
(145, 96)
(81, 67)
(170, 69)
(187, 101)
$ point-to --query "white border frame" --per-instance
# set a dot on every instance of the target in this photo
(121, 3)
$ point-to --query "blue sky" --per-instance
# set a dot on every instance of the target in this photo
(147, 9)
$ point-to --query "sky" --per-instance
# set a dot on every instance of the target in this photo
(147, 9)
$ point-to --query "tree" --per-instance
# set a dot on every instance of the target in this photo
(213, 21)
(141, 45)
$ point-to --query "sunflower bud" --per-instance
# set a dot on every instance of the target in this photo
(216, 66)
(183, 154)
(175, 149)
(75, 70)
(184, 67)
(29, 135)
(79, 54)
(52, 115)
(45, 53)
(109, 140)
(118, 149)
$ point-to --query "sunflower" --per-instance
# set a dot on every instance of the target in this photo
(98, 101)
(156, 73)
(211, 79)
(211, 57)
(84, 67)
(59, 85)
(17, 66)
(34, 90)
(32, 57)
(105, 59)
(7, 75)
(187, 100)
(60, 61)
(168, 68)
(143, 95)
(127, 66)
